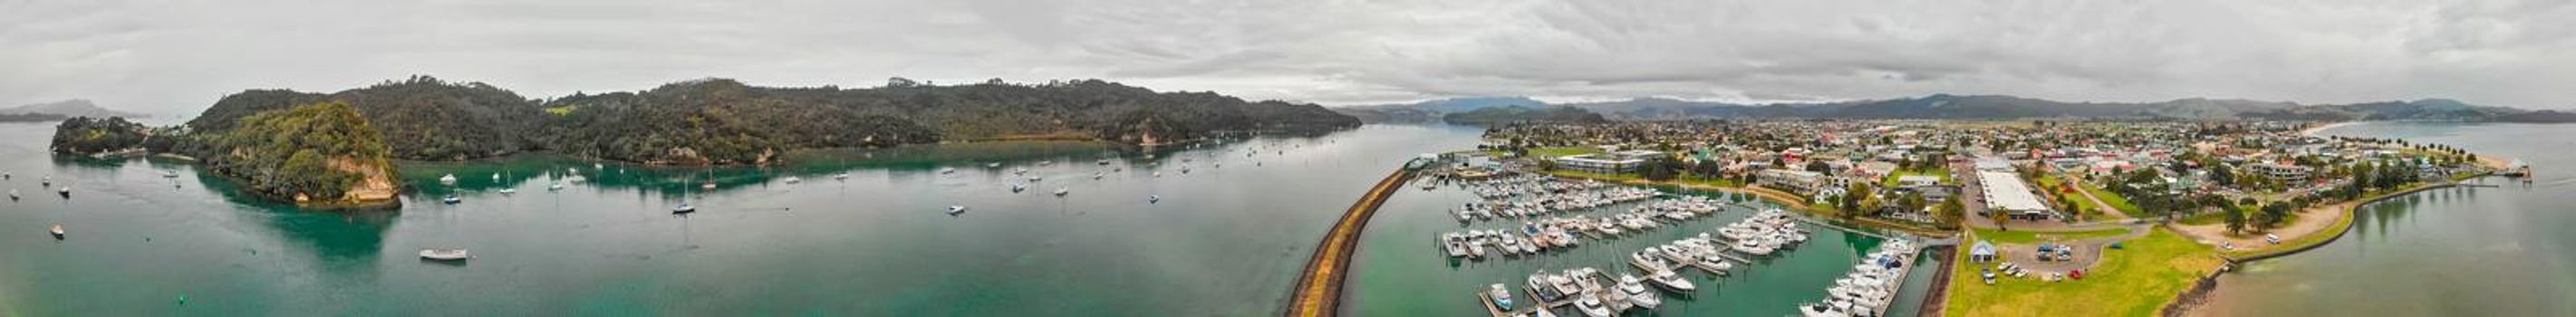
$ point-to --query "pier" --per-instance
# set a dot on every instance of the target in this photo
(1319, 288)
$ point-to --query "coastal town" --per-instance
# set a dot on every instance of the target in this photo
(2021, 217)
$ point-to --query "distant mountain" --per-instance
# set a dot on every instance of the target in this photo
(1511, 114)
(70, 108)
(1431, 111)
(2543, 116)
(31, 117)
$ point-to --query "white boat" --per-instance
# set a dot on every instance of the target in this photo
(554, 187)
(956, 209)
(1671, 281)
(1636, 291)
(58, 232)
(1153, 199)
(1104, 161)
(1017, 188)
(445, 254)
(1819, 310)
(709, 185)
(496, 176)
(793, 180)
(449, 179)
(1591, 306)
(66, 191)
(841, 176)
(451, 199)
(507, 191)
(1454, 244)
(1060, 191)
(13, 194)
(1502, 297)
(992, 165)
(684, 208)
(947, 170)
(1036, 178)
(169, 174)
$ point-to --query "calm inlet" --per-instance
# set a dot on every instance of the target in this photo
(2500, 251)
(1226, 238)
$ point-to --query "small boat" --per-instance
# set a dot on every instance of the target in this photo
(992, 165)
(169, 174)
(1036, 178)
(58, 232)
(793, 180)
(507, 191)
(1104, 161)
(496, 176)
(1097, 176)
(1017, 188)
(66, 191)
(451, 199)
(1502, 297)
(841, 176)
(13, 195)
(555, 187)
(1636, 292)
(947, 170)
(445, 254)
(449, 179)
(1060, 191)
(684, 208)
(709, 185)
(956, 209)
(1158, 174)
(1150, 199)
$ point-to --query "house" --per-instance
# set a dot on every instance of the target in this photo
(2285, 172)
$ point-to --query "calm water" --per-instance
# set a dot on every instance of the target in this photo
(1402, 271)
(1223, 241)
(2503, 251)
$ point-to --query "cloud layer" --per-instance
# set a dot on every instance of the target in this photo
(175, 57)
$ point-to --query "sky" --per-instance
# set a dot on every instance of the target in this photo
(177, 57)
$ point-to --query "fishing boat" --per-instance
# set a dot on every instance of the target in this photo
(956, 209)
(1060, 191)
(449, 179)
(1671, 281)
(684, 208)
(58, 232)
(451, 199)
(445, 254)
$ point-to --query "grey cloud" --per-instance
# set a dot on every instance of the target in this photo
(176, 57)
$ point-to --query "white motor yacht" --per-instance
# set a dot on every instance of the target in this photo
(684, 208)
(1636, 291)
(1591, 306)
(1671, 281)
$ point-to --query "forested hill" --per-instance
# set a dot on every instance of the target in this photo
(720, 121)
(421, 118)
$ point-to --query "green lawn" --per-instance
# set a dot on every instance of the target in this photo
(1553, 152)
(2134, 281)
(2024, 237)
(2108, 197)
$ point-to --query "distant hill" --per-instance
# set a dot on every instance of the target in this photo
(31, 117)
(1512, 114)
(720, 121)
(1431, 111)
(70, 108)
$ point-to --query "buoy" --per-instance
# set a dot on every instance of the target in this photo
(183, 299)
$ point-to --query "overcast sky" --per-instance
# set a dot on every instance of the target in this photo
(176, 57)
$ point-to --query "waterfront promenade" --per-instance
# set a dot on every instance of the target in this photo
(1319, 288)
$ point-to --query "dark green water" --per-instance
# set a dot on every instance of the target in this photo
(2503, 251)
(1223, 241)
